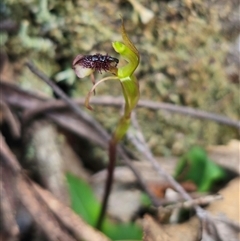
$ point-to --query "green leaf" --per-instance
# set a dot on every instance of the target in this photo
(83, 201)
(123, 231)
(145, 200)
(198, 168)
(85, 204)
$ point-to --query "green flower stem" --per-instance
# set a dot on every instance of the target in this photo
(121, 129)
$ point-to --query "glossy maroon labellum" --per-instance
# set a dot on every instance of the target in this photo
(97, 62)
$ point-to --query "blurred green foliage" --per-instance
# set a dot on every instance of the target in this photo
(183, 60)
(195, 166)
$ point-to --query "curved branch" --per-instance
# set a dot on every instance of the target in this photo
(152, 105)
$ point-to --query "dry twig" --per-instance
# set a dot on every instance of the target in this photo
(11, 120)
(9, 227)
(69, 219)
(140, 143)
(152, 105)
(43, 207)
(190, 204)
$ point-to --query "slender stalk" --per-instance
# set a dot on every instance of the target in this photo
(120, 131)
(109, 181)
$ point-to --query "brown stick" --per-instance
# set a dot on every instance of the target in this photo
(43, 206)
(113, 101)
(69, 219)
(7, 157)
(9, 227)
(11, 119)
(45, 221)
(40, 213)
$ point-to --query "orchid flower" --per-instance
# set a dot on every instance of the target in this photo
(85, 66)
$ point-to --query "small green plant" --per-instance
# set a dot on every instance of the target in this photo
(85, 66)
(197, 167)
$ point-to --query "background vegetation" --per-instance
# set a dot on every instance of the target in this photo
(184, 59)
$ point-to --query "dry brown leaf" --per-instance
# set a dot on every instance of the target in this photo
(226, 155)
(227, 212)
(153, 231)
(229, 205)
